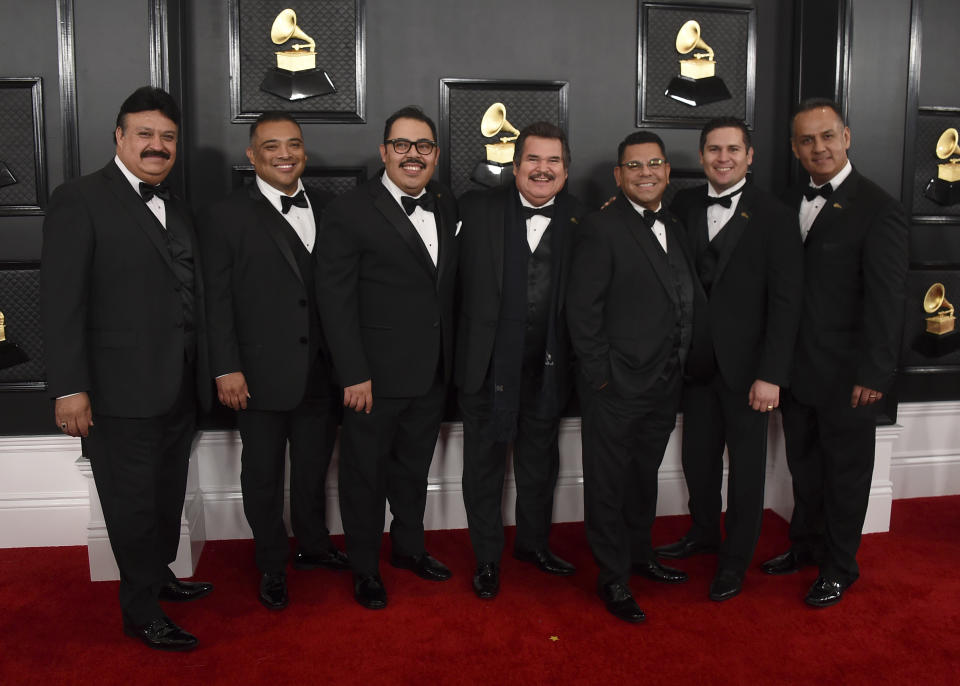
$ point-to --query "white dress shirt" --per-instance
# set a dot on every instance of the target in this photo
(155, 204)
(300, 218)
(809, 209)
(659, 230)
(424, 222)
(718, 215)
(537, 224)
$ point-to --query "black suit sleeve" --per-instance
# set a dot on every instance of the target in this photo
(216, 233)
(590, 276)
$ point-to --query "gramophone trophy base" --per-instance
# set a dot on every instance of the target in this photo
(943, 192)
(297, 85)
(932, 345)
(11, 355)
(6, 176)
(491, 174)
(696, 92)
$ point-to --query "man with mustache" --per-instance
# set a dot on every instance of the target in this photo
(267, 351)
(123, 325)
(855, 265)
(630, 309)
(387, 263)
(513, 357)
(749, 261)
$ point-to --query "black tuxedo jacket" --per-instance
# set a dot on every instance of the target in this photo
(855, 266)
(622, 299)
(111, 311)
(258, 308)
(387, 309)
(749, 328)
(481, 281)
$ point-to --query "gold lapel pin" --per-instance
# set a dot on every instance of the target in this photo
(838, 206)
(744, 215)
(574, 220)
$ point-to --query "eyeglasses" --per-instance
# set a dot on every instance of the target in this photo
(401, 146)
(655, 163)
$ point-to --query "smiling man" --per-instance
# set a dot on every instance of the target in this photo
(630, 309)
(513, 359)
(749, 264)
(122, 312)
(267, 351)
(387, 263)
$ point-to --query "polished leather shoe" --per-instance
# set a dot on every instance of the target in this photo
(369, 592)
(161, 634)
(684, 548)
(177, 591)
(273, 591)
(825, 592)
(655, 571)
(545, 561)
(328, 559)
(725, 585)
(620, 603)
(423, 565)
(486, 582)
(788, 563)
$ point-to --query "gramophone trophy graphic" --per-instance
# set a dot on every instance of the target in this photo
(497, 169)
(945, 189)
(296, 75)
(697, 83)
(935, 303)
(10, 352)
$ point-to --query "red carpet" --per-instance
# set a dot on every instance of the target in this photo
(900, 624)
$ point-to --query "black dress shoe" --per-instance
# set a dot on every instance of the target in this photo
(684, 548)
(788, 563)
(423, 565)
(369, 592)
(161, 634)
(725, 585)
(825, 592)
(620, 603)
(273, 591)
(177, 591)
(655, 571)
(486, 582)
(328, 559)
(546, 561)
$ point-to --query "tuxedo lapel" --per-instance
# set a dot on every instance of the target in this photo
(841, 201)
(137, 209)
(648, 243)
(733, 230)
(444, 234)
(275, 226)
(397, 218)
(563, 220)
(496, 231)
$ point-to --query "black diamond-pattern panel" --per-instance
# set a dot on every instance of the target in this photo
(679, 182)
(929, 128)
(331, 184)
(725, 32)
(17, 146)
(20, 304)
(467, 106)
(331, 23)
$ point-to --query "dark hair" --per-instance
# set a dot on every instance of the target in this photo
(815, 104)
(725, 123)
(409, 112)
(273, 115)
(542, 129)
(638, 138)
(145, 99)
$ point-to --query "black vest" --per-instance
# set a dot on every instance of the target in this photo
(180, 248)
(708, 255)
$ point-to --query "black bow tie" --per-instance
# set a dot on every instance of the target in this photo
(723, 200)
(410, 204)
(286, 202)
(161, 190)
(824, 191)
(528, 212)
(650, 217)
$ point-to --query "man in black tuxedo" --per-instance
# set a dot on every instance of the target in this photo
(122, 312)
(267, 351)
(855, 265)
(513, 351)
(630, 310)
(387, 264)
(749, 262)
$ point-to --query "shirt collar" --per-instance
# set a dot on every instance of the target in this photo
(132, 178)
(527, 203)
(838, 178)
(273, 195)
(733, 189)
(394, 189)
(641, 209)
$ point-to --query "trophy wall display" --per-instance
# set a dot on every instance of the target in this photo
(497, 168)
(6, 176)
(943, 321)
(296, 75)
(10, 353)
(697, 83)
(945, 189)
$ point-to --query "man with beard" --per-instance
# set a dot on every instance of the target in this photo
(512, 361)
(387, 264)
(266, 351)
(630, 311)
(123, 327)
(749, 263)
(855, 266)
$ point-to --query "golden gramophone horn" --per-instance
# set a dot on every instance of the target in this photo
(495, 121)
(688, 38)
(935, 299)
(947, 144)
(285, 27)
